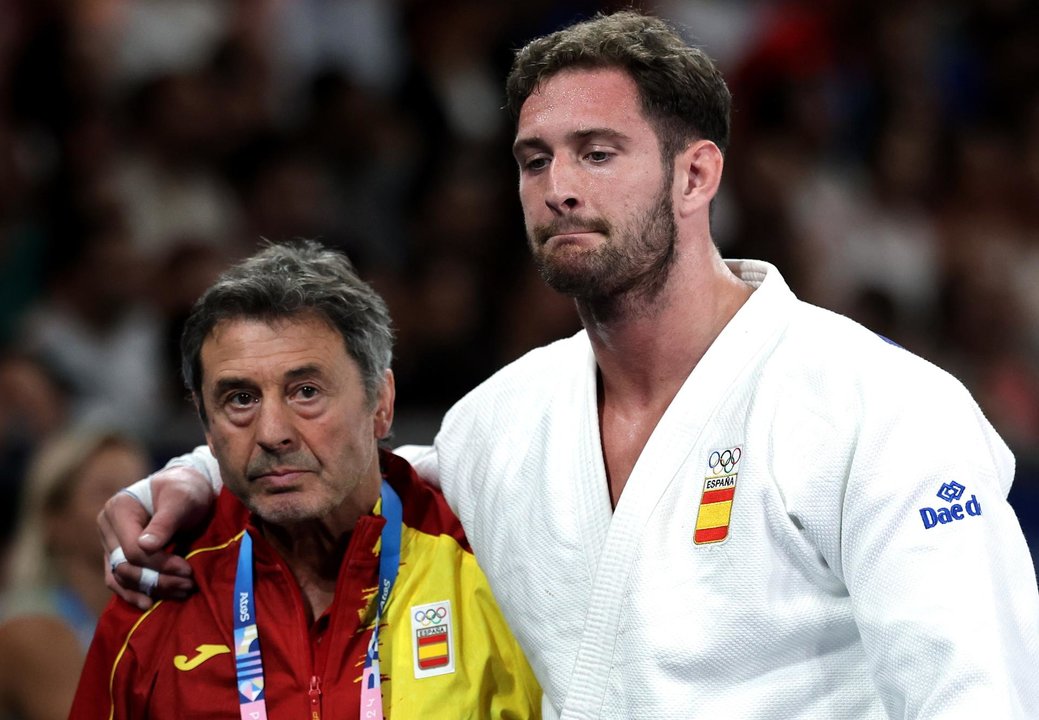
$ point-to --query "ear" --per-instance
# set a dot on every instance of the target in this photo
(384, 407)
(698, 173)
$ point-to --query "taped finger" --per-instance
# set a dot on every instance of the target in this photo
(149, 579)
(116, 558)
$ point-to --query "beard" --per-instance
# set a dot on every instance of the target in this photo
(634, 262)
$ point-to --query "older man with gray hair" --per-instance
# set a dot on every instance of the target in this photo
(331, 580)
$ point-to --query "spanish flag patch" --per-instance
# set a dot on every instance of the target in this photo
(719, 489)
(432, 639)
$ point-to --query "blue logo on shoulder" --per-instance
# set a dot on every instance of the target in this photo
(950, 492)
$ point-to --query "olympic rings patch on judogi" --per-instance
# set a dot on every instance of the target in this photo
(719, 489)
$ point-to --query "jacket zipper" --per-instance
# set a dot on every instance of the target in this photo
(315, 698)
(314, 693)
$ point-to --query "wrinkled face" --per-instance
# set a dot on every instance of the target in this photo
(289, 422)
(596, 200)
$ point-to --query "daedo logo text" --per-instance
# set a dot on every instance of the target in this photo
(950, 492)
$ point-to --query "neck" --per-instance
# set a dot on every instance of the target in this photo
(310, 549)
(314, 549)
(645, 348)
(645, 354)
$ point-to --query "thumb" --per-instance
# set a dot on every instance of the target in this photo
(160, 529)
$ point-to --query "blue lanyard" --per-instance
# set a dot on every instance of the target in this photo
(248, 660)
(389, 563)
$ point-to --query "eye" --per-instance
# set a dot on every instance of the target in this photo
(308, 399)
(241, 399)
(598, 156)
(307, 392)
(535, 163)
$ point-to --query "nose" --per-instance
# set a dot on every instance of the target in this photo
(561, 195)
(275, 431)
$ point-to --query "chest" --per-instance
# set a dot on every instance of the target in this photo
(624, 435)
(307, 667)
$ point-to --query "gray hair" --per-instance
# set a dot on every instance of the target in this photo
(284, 281)
(682, 92)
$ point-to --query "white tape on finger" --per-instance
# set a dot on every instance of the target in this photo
(116, 558)
(149, 579)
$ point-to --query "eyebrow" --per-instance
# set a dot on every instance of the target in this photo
(304, 371)
(228, 384)
(537, 143)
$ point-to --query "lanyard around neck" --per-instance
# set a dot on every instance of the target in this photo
(247, 658)
(389, 563)
(249, 661)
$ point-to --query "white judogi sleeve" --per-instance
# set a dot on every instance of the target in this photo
(424, 459)
(900, 483)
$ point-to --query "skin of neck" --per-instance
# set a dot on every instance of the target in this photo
(646, 347)
(314, 549)
(646, 354)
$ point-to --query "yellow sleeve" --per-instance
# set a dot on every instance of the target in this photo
(451, 654)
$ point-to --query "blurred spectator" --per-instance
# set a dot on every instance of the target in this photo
(166, 181)
(156, 37)
(373, 153)
(287, 192)
(55, 591)
(453, 44)
(95, 330)
(34, 406)
(183, 274)
(33, 402)
(361, 39)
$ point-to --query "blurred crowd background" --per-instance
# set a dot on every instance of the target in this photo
(885, 155)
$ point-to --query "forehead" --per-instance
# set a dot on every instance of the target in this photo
(248, 347)
(578, 99)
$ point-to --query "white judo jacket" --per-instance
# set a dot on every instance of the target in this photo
(817, 528)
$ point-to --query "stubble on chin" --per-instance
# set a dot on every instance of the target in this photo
(629, 267)
(569, 269)
(280, 511)
(573, 271)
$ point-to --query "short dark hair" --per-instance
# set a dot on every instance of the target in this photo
(288, 280)
(681, 90)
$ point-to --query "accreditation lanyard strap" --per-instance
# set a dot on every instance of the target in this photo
(389, 563)
(249, 661)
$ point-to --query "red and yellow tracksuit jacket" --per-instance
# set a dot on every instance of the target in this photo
(176, 660)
